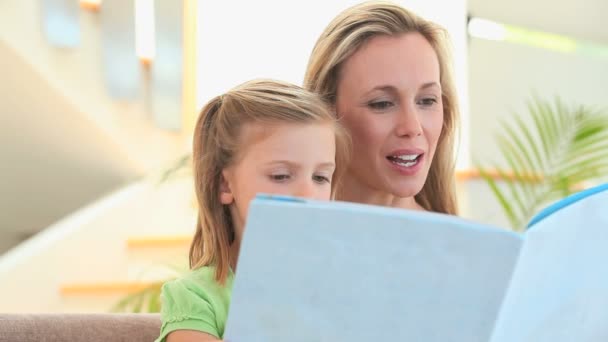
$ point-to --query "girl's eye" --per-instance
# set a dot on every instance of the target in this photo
(279, 177)
(321, 179)
(380, 105)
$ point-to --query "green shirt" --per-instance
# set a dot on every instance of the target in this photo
(195, 302)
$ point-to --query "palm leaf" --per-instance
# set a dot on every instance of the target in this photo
(145, 300)
(536, 160)
(567, 147)
(517, 193)
(154, 302)
(182, 164)
(148, 298)
(545, 136)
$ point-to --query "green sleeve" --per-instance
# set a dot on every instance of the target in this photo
(186, 306)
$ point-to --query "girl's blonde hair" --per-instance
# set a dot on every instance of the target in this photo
(217, 143)
(353, 28)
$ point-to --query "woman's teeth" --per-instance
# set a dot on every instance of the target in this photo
(407, 157)
(405, 160)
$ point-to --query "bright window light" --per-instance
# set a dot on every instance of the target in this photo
(490, 30)
(90, 4)
(145, 44)
(487, 29)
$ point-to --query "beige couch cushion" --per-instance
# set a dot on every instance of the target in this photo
(79, 327)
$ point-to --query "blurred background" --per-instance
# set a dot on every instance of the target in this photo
(98, 100)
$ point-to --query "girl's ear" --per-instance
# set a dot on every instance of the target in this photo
(226, 196)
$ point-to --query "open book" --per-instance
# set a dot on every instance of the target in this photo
(329, 271)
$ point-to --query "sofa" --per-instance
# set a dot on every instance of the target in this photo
(79, 327)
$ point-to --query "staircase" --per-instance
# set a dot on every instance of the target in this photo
(82, 221)
(91, 259)
(66, 138)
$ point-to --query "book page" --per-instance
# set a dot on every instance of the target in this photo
(559, 291)
(327, 271)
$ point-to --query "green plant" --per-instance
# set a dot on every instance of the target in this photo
(148, 298)
(182, 166)
(548, 159)
(145, 300)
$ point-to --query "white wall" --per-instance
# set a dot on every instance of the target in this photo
(502, 76)
(242, 40)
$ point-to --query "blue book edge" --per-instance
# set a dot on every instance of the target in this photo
(352, 206)
(280, 198)
(561, 204)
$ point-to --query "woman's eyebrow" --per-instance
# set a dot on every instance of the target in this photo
(386, 88)
(430, 85)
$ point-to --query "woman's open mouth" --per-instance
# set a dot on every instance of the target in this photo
(406, 163)
(405, 160)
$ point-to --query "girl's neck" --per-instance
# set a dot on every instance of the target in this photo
(353, 191)
(234, 253)
(238, 224)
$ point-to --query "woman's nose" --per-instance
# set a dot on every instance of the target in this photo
(408, 122)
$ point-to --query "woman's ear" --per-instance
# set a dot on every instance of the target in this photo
(226, 196)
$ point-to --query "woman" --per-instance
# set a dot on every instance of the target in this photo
(386, 72)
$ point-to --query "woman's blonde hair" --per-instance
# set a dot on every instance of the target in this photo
(353, 28)
(217, 143)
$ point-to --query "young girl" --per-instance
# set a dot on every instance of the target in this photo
(261, 137)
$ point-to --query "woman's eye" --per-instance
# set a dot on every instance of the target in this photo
(321, 179)
(279, 177)
(380, 105)
(427, 101)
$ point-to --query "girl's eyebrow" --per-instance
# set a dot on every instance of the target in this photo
(285, 163)
(281, 162)
(294, 164)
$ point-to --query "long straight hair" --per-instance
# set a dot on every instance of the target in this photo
(217, 142)
(350, 30)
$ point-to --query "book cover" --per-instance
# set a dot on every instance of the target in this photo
(333, 271)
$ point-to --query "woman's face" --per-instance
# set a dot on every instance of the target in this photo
(389, 98)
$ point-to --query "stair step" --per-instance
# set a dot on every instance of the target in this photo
(159, 242)
(105, 288)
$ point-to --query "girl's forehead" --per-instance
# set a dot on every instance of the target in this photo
(255, 132)
(259, 140)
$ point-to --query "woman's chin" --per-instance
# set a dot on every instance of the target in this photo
(406, 190)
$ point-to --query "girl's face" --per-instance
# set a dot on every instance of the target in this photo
(286, 159)
(389, 98)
